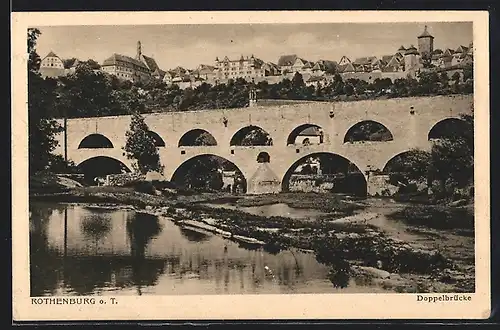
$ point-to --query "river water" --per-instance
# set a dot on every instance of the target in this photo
(77, 250)
(273, 210)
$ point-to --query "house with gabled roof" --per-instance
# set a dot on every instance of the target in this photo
(461, 49)
(286, 62)
(346, 68)
(52, 66)
(324, 66)
(138, 68)
(316, 81)
(344, 60)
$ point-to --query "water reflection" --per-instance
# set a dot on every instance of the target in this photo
(194, 235)
(272, 210)
(80, 251)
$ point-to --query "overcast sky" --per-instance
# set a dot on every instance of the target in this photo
(190, 45)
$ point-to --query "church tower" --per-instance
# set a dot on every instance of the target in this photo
(425, 43)
(139, 51)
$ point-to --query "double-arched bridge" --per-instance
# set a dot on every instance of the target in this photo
(410, 122)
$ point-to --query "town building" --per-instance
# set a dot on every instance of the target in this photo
(293, 64)
(406, 61)
(52, 66)
(140, 68)
(248, 68)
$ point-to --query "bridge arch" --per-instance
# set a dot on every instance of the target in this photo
(251, 135)
(412, 161)
(368, 130)
(210, 172)
(197, 137)
(305, 134)
(346, 176)
(263, 157)
(159, 142)
(100, 166)
(95, 141)
(447, 128)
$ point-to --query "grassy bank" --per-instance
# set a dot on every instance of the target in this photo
(442, 217)
(320, 201)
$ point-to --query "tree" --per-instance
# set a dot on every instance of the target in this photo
(412, 165)
(297, 81)
(140, 146)
(256, 137)
(456, 77)
(68, 62)
(87, 93)
(452, 163)
(41, 97)
(428, 82)
(34, 58)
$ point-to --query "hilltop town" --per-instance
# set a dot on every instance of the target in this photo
(406, 61)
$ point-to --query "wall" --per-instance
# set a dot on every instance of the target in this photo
(309, 183)
(123, 178)
(378, 185)
(371, 76)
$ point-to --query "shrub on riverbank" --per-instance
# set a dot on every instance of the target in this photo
(380, 252)
(436, 216)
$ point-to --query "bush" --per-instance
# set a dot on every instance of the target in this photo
(437, 217)
(145, 187)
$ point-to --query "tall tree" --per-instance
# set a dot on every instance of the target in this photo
(41, 97)
(140, 146)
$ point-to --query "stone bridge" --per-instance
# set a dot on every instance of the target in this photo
(409, 120)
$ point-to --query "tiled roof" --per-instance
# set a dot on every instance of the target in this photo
(462, 49)
(159, 72)
(51, 54)
(150, 62)
(115, 58)
(348, 67)
(425, 33)
(411, 51)
(387, 58)
(287, 60)
(364, 60)
(307, 65)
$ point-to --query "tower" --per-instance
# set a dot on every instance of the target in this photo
(139, 51)
(425, 43)
(411, 59)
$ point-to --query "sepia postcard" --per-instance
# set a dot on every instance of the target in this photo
(250, 165)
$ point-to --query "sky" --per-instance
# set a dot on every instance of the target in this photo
(191, 45)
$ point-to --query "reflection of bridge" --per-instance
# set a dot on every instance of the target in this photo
(409, 120)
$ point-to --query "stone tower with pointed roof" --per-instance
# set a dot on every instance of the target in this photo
(425, 43)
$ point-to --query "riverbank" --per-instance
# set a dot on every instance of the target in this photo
(351, 239)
